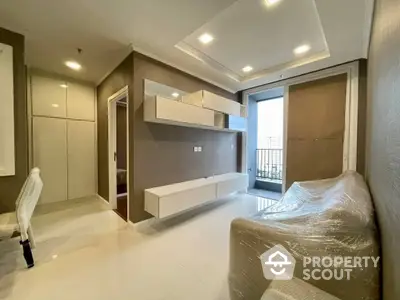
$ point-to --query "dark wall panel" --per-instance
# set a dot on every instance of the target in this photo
(315, 130)
(163, 154)
(10, 186)
(383, 138)
(118, 79)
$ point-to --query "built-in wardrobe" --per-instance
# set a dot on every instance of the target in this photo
(63, 130)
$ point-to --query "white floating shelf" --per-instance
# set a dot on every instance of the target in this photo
(158, 109)
(171, 199)
(211, 101)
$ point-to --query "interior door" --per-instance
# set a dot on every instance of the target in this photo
(315, 129)
(112, 153)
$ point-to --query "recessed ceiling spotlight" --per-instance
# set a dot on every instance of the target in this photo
(272, 2)
(247, 69)
(206, 38)
(64, 86)
(73, 65)
(302, 49)
(175, 95)
(55, 105)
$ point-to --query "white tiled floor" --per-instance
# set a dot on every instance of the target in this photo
(85, 251)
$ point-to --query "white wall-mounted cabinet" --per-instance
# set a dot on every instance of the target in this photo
(171, 199)
(7, 139)
(81, 164)
(80, 102)
(63, 137)
(50, 155)
(158, 109)
(212, 101)
(49, 97)
(162, 110)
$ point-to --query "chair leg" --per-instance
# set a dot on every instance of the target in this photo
(31, 237)
(27, 253)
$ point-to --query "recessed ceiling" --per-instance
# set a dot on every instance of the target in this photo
(250, 32)
(245, 32)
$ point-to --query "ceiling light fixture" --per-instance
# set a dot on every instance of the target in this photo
(175, 95)
(64, 86)
(302, 49)
(271, 2)
(247, 69)
(55, 105)
(206, 38)
(73, 65)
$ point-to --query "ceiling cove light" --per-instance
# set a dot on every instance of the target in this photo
(73, 65)
(175, 95)
(247, 69)
(272, 2)
(206, 38)
(302, 49)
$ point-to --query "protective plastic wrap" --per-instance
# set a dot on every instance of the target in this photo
(324, 218)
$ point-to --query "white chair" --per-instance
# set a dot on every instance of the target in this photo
(19, 221)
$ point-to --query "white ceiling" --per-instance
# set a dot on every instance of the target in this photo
(251, 33)
(246, 32)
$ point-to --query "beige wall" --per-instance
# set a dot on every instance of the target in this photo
(10, 186)
(383, 139)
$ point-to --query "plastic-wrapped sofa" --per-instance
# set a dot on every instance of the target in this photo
(331, 217)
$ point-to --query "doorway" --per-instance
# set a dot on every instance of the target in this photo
(118, 160)
(265, 143)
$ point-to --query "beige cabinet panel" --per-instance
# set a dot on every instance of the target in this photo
(80, 102)
(49, 96)
(50, 155)
(81, 159)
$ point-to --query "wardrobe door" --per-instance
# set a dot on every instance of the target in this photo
(49, 97)
(81, 159)
(80, 102)
(50, 155)
(315, 129)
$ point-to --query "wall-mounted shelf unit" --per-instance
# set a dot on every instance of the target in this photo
(172, 199)
(212, 101)
(158, 109)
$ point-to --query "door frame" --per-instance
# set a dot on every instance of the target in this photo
(112, 146)
(351, 114)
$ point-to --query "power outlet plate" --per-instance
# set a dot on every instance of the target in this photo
(197, 149)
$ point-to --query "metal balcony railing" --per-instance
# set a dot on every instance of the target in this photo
(269, 164)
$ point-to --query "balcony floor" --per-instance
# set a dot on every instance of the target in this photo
(265, 194)
(278, 181)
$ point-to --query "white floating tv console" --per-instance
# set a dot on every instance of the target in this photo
(171, 199)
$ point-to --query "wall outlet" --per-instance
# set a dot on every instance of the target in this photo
(197, 149)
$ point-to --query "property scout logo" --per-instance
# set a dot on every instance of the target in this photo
(279, 264)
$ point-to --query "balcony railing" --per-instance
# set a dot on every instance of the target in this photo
(269, 164)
